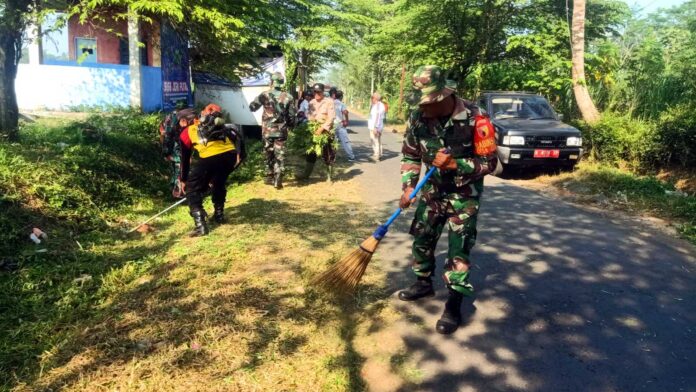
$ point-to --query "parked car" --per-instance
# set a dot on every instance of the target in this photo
(529, 132)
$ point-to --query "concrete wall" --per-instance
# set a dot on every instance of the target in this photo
(234, 101)
(108, 35)
(66, 87)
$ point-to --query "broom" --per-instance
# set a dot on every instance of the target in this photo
(345, 275)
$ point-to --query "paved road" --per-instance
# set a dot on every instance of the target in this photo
(566, 300)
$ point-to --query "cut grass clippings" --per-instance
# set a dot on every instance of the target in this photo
(602, 184)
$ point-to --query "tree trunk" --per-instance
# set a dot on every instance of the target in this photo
(136, 100)
(401, 89)
(9, 112)
(588, 110)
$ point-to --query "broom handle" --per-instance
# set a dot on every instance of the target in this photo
(413, 194)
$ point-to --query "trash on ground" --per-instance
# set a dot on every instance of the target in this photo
(145, 228)
(82, 279)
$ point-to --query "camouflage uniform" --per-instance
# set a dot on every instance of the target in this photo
(171, 150)
(277, 120)
(450, 197)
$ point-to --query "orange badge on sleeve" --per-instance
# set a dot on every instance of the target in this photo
(484, 137)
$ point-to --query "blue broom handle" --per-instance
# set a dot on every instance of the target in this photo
(413, 194)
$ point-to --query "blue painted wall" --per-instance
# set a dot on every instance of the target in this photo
(151, 88)
(70, 86)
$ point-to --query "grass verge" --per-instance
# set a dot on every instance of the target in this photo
(609, 186)
(102, 310)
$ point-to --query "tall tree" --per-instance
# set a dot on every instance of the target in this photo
(588, 110)
(13, 21)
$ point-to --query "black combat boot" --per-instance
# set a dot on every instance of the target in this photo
(201, 228)
(278, 181)
(422, 288)
(452, 316)
(304, 176)
(219, 214)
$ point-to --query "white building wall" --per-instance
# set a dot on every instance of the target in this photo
(233, 101)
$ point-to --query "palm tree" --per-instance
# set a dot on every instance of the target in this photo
(588, 110)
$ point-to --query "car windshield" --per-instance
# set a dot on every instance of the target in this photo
(531, 107)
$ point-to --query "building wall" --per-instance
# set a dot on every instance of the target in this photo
(108, 43)
(233, 101)
(69, 87)
(108, 35)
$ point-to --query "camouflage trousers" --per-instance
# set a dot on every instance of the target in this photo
(459, 214)
(174, 179)
(274, 150)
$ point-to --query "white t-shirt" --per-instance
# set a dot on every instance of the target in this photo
(376, 120)
(340, 107)
(304, 106)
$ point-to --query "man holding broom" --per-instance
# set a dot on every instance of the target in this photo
(440, 133)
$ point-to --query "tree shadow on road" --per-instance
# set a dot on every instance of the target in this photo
(565, 300)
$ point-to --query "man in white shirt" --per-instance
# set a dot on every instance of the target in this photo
(375, 124)
(341, 123)
(304, 105)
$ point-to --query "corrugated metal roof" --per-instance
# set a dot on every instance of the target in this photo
(212, 79)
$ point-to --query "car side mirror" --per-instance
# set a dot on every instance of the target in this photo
(560, 116)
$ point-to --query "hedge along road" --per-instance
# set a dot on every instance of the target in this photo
(566, 299)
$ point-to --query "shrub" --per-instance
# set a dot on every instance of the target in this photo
(677, 135)
(620, 138)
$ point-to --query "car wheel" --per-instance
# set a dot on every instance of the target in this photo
(568, 168)
(499, 169)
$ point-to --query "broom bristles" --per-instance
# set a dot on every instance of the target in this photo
(345, 275)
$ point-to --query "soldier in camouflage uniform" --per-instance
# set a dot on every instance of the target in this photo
(440, 134)
(277, 120)
(171, 148)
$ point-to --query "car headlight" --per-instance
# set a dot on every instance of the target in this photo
(574, 141)
(513, 140)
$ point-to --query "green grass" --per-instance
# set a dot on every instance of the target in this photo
(644, 193)
(103, 310)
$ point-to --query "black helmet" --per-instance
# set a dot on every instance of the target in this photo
(318, 87)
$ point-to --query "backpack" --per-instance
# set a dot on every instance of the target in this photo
(212, 128)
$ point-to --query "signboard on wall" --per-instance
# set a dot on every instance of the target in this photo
(176, 77)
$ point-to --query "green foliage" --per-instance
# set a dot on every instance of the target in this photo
(677, 132)
(620, 138)
(302, 139)
(77, 174)
(644, 144)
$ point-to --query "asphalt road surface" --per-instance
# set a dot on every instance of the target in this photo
(566, 299)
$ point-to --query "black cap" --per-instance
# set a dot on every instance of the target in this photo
(318, 87)
(188, 114)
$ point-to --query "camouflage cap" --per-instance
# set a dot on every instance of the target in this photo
(277, 78)
(431, 82)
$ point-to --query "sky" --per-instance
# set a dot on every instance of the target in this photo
(649, 6)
